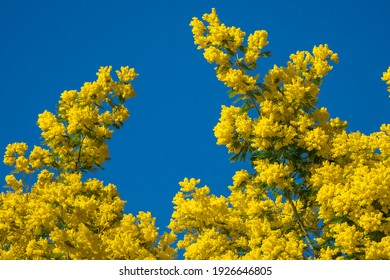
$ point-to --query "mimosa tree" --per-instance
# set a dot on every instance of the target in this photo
(312, 190)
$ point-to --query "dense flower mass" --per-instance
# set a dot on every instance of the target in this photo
(62, 216)
(312, 190)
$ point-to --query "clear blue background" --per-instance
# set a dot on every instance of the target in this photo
(51, 46)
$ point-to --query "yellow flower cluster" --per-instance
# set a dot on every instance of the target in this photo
(217, 34)
(386, 78)
(256, 42)
(273, 174)
(285, 101)
(85, 118)
(241, 226)
(220, 42)
(354, 198)
(315, 190)
(237, 80)
(234, 128)
(62, 216)
(14, 154)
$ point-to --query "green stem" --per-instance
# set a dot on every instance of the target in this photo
(301, 225)
(255, 105)
(79, 155)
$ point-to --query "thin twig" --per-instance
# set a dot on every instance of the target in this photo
(301, 225)
(79, 154)
(255, 105)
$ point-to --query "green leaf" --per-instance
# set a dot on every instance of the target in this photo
(68, 243)
(232, 93)
(253, 66)
(243, 49)
(246, 107)
(239, 98)
(58, 256)
(376, 236)
(265, 54)
(317, 81)
(234, 158)
(230, 52)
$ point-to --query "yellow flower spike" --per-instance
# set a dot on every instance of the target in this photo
(273, 174)
(13, 150)
(240, 177)
(237, 80)
(120, 114)
(256, 42)
(188, 185)
(237, 38)
(386, 78)
(243, 125)
(22, 164)
(218, 35)
(14, 154)
(13, 183)
(212, 54)
(126, 74)
(224, 130)
(211, 18)
(198, 29)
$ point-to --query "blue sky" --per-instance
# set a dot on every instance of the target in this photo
(51, 46)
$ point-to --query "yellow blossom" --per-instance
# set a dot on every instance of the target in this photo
(256, 42)
(386, 78)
